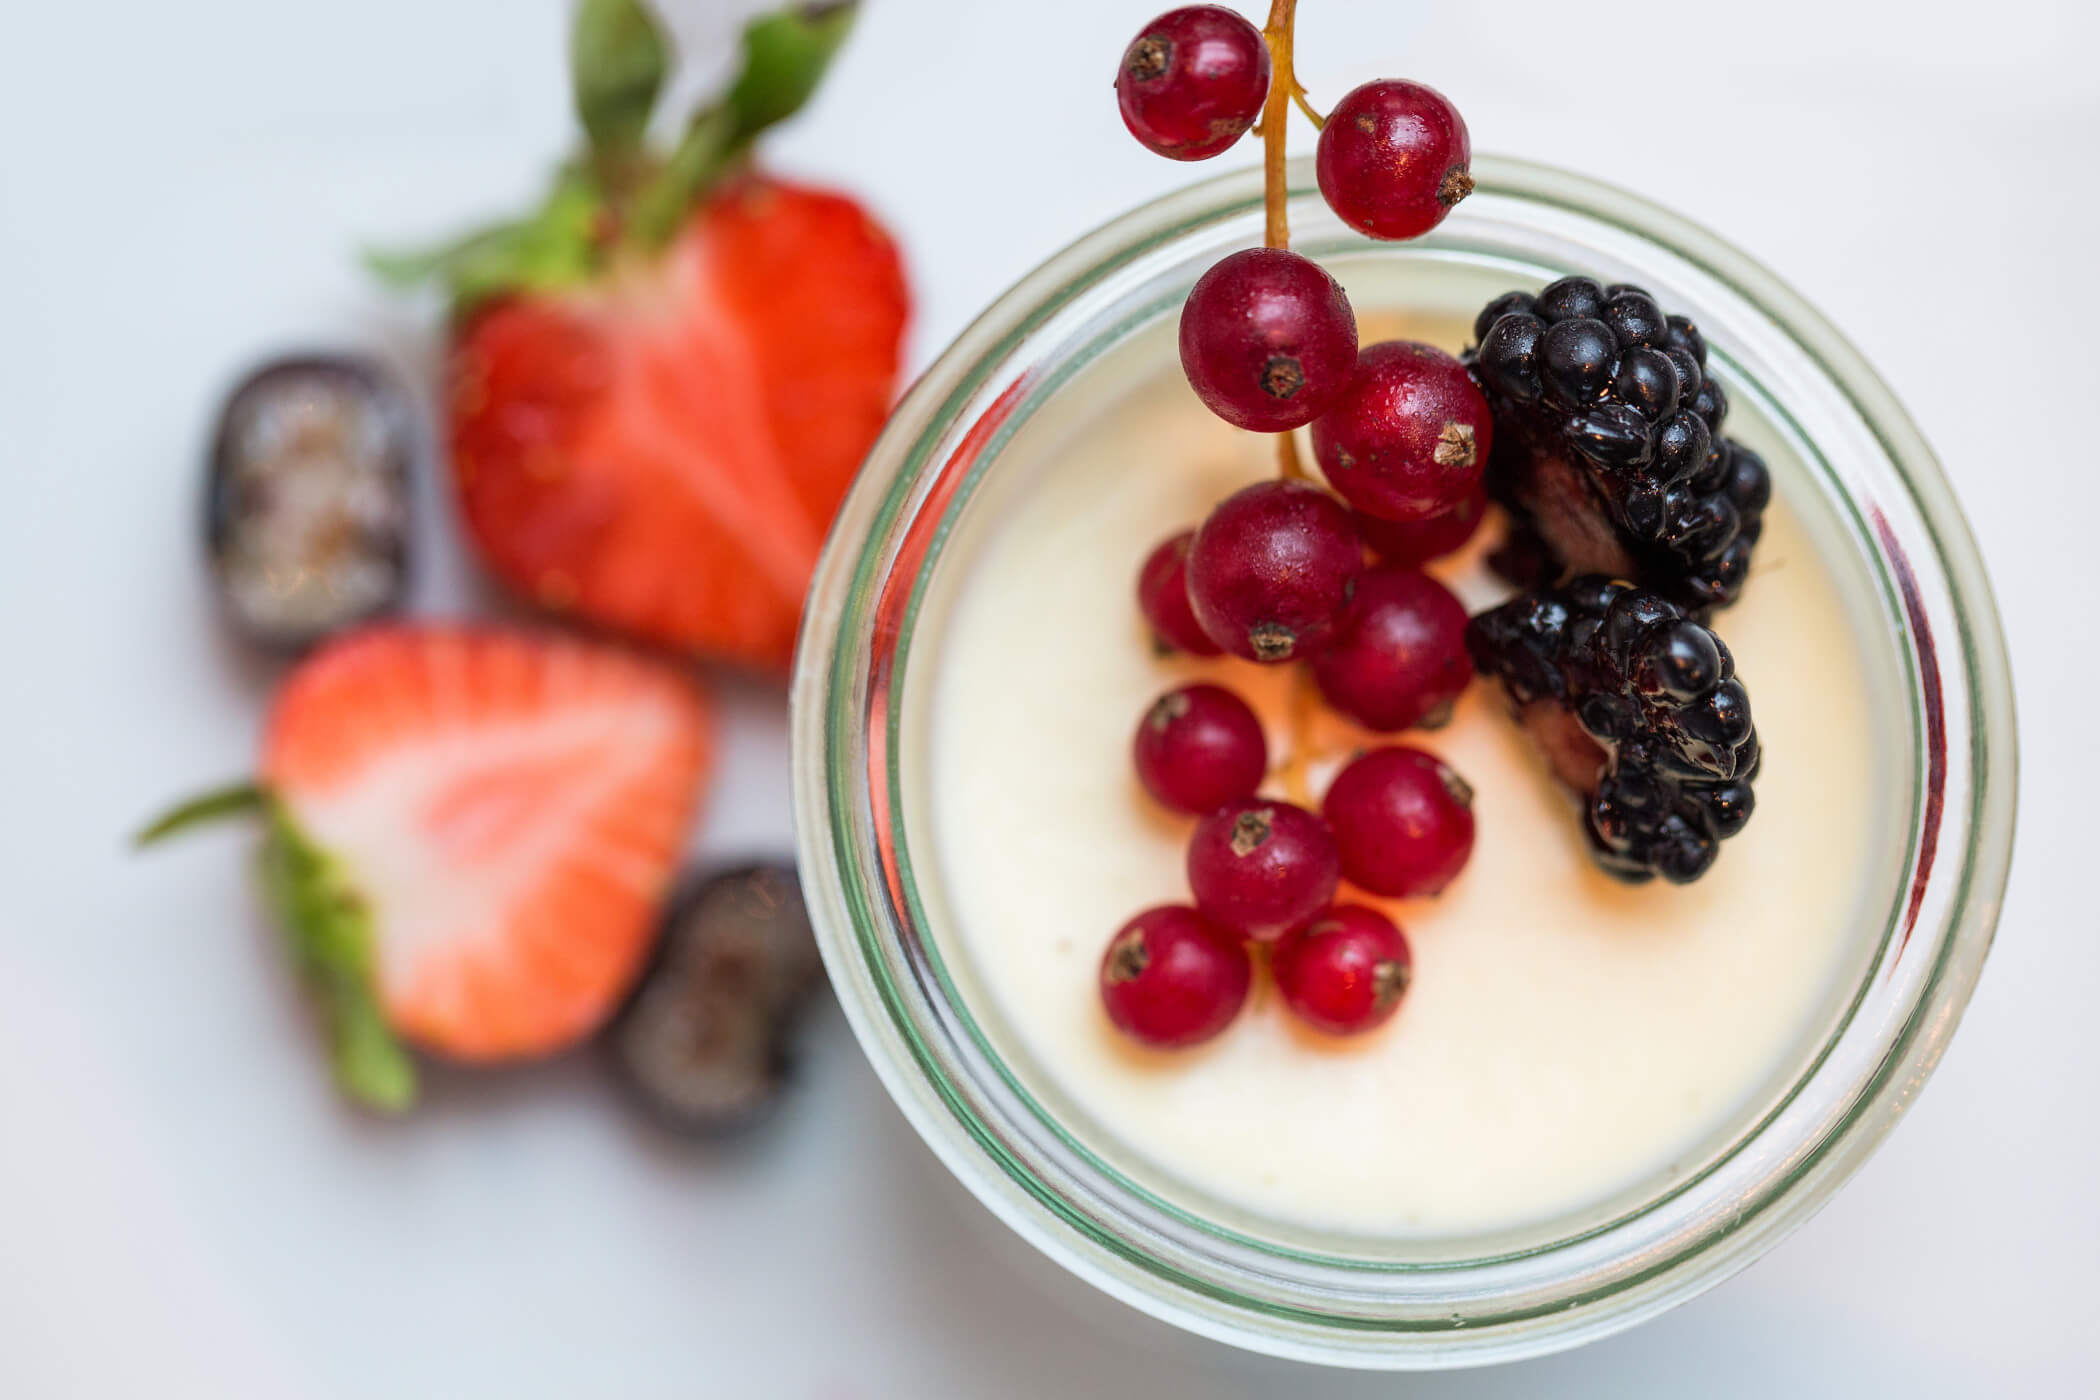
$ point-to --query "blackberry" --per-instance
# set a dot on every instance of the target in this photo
(1607, 448)
(1638, 709)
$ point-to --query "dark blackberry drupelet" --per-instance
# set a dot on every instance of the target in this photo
(1639, 711)
(1607, 448)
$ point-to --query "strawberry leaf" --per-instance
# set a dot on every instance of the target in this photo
(328, 928)
(786, 54)
(623, 190)
(558, 246)
(234, 800)
(617, 60)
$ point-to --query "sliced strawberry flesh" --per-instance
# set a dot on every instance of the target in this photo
(824, 311)
(510, 807)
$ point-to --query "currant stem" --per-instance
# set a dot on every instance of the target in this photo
(1275, 120)
(1275, 131)
(1288, 464)
(1284, 89)
(1298, 95)
(1296, 785)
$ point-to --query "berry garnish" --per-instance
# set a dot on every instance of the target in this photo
(1172, 978)
(307, 507)
(661, 382)
(1200, 747)
(1276, 572)
(1608, 451)
(1393, 159)
(1402, 820)
(1345, 972)
(1399, 657)
(1193, 81)
(466, 835)
(1412, 543)
(1272, 568)
(1260, 868)
(1267, 339)
(1638, 711)
(1163, 597)
(1410, 436)
(704, 1040)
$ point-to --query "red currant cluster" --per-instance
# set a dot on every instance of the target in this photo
(1396, 822)
(1278, 572)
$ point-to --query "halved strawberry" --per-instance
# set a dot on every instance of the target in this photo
(663, 451)
(469, 833)
(661, 383)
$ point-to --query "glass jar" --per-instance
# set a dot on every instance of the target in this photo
(1363, 1301)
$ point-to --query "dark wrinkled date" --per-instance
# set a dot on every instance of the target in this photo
(705, 1039)
(307, 509)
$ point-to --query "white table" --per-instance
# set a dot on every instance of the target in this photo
(184, 1207)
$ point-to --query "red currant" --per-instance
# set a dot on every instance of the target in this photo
(1393, 159)
(1262, 868)
(1272, 568)
(1412, 543)
(1172, 977)
(1402, 820)
(1399, 658)
(1409, 437)
(1345, 972)
(1193, 81)
(1267, 339)
(1200, 747)
(1163, 597)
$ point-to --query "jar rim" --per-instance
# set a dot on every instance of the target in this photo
(906, 1012)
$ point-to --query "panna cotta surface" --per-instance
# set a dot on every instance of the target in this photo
(1569, 1043)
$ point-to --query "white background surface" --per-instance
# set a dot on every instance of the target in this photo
(184, 1209)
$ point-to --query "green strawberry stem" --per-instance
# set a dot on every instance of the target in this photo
(328, 929)
(697, 163)
(619, 194)
(617, 61)
(786, 54)
(235, 799)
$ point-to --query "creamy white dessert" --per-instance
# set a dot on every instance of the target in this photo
(1569, 1043)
